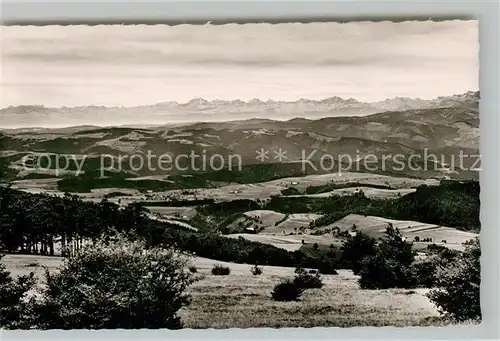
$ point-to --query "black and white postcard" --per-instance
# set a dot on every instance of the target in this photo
(240, 175)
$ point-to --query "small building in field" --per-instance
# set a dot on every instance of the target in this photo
(250, 230)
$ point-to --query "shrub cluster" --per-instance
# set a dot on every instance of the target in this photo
(256, 270)
(426, 270)
(355, 248)
(454, 276)
(306, 280)
(287, 290)
(220, 270)
(108, 285)
(13, 308)
(391, 265)
(457, 285)
(291, 289)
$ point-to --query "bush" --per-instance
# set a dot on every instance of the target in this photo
(193, 269)
(425, 272)
(447, 255)
(380, 273)
(306, 280)
(255, 270)
(309, 281)
(391, 266)
(115, 284)
(287, 290)
(220, 270)
(435, 247)
(354, 249)
(290, 191)
(458, 285)
(14, 309)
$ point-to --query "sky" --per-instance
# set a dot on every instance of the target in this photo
(118, 65)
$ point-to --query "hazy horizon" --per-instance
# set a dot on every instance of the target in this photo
(237, 99)
(128, 66)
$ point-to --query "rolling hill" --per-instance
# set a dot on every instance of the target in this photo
(436, 135)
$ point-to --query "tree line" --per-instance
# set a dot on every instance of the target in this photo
(452, 203)
(38, 223)
(130, 275)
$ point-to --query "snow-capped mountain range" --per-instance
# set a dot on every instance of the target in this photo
(201, 110)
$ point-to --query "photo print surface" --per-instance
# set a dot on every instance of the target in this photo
(240, 175)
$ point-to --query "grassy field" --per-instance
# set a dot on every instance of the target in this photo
(371, 225)
(242, 300)
(369, 192)
(19, 265)
(247, 190)
(188, 212)
(290, 243)
(375, 226)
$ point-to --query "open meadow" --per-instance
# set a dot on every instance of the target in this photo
(243, 300)
(240, 175)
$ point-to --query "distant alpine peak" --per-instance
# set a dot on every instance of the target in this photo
(198, 100)
(467, 99)
(467, 96)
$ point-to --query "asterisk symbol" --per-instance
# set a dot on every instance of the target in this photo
(280, 155)
(262, 154)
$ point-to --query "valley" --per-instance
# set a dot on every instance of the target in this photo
(398, 169)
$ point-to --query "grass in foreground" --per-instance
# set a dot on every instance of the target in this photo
(242, 300)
